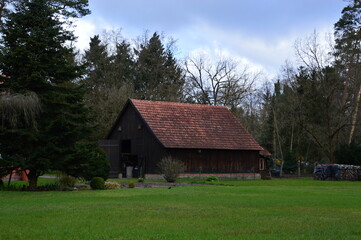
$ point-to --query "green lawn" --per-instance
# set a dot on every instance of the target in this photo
(276, 209)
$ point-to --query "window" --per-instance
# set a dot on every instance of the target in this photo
(126, 146)
(262, 164)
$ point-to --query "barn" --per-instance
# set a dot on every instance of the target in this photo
(208, 139)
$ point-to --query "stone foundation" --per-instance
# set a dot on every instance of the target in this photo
(236, 176)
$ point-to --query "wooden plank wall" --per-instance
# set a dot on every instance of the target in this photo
(143, 143)
(217, 161)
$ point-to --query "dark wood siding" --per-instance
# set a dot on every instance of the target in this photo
(217, 161)
(132, 143)
(143, 143)
(111, 148)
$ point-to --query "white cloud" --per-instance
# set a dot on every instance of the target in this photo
(85, 28)
(259, 53)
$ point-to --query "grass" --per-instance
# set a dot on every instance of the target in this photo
(276, 209)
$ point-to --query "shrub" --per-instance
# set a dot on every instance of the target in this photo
(49, 187)
(171, 168)
(111, 185)
(265, 175)
(212, 179)
(67, 181)
(13, 187)
(349, 154)
(92, 162)
(140, 180)
(131, 185)
(97, 183)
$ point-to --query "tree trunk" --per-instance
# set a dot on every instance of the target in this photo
(279, 142)
(299, 168)
(281, 170)
(33, 180)
(11, 174)
(354, 116)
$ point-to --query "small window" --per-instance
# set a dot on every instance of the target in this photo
(126, 146)
(262, 164)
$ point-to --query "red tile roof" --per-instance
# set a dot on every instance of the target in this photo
(181, 125)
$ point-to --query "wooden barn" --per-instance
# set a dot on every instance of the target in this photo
(208, 139)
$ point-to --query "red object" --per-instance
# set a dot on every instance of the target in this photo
(24, 177)
(17, 175)
(181, 125)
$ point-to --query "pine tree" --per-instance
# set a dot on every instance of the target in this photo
(158, 76)
(108, 82)
(348, 60)
(97, 62)
(36, 57)
(123, 64)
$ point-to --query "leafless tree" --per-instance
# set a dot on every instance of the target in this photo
(327, 131)
(221, 82)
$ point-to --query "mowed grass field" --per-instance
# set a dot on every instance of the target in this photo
(275, 209)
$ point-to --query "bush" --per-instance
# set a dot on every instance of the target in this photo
(67, 181)
(111, 185)
(212, 179)
(131, 185)
(140, 180)
(290, 162)
(349, 154)
(97, 183)
(13, 187)
(91, 162)
(171, 168)
(265, 175)
(49, 187)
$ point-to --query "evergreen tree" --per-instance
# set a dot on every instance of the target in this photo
(158, 76)
(97, 62)
(36, 57)
(123, 64)
(108, 82)
(348, 61)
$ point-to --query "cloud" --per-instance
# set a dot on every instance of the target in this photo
(258, 52)
(87, 27)
(84, 29)
(257, 37)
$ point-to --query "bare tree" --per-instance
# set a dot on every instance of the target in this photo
(313, 53)
(322, 100)
(221, 82)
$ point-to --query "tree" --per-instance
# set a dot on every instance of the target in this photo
(108, 82)
(348, 58)
(15, 108)
(221, 83)
(97, 62)
(18, 109)
(157, 74)
(349, 154)
(36, 56)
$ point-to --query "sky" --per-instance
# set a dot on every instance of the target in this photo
(259, 34)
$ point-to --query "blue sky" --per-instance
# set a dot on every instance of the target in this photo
(257, 33)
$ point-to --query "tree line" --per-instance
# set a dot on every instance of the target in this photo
(57, 102)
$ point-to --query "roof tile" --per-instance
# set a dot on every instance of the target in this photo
(181, 125)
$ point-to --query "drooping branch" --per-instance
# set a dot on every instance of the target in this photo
(19, 109)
